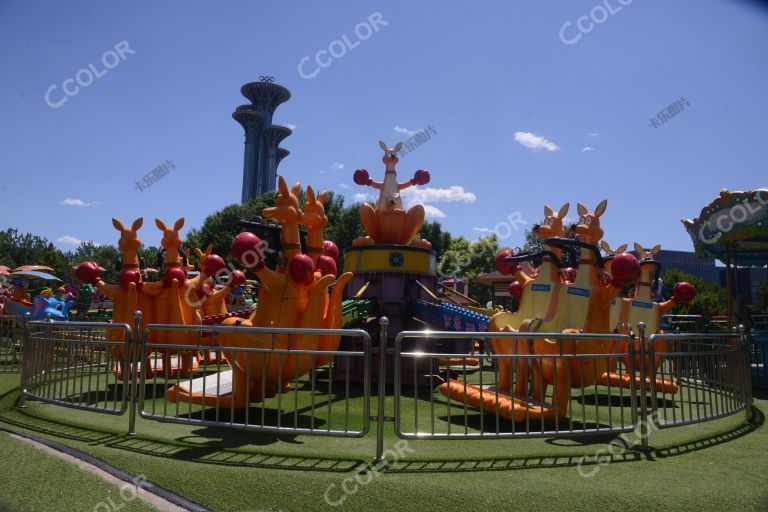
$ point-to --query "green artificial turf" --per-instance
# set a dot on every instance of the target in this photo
(33, 480)
(709, 466)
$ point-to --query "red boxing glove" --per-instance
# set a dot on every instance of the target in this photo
(88, 272)
(421, 177)
(236, 278)
(683, 292)
(361, 177)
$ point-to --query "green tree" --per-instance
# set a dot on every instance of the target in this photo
(710, 298)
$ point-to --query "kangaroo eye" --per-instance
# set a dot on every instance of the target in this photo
(582, 220)
(589, 220)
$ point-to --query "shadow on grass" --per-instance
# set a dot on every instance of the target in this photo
(601, 458)
(221, 448)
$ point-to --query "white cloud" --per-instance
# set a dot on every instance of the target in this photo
(433, 212)
(593, 135)
(425, 195)
(76, 202)
(587, 148)
(483, 230)
(405, 131)
(337, 166)
(290, 126)
(360, 197)
(69, 240)
(344, 186)
(535, 142)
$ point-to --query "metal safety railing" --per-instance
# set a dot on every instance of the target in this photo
(709, 376)
(446, 385)
(266, 388)
(758, 351)
(11, 329)
(599, 393)
(77, 364)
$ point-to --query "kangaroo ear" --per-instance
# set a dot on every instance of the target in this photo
(137, 224)
(198, 252)
(656, 249)
(179, 224)
(160, 225)
(639, 249)
(548, 211)
(398, 146)
(621, 248)
(604, 246)
(323, 197)
(296, 188)
(118, 225)
(563, 211)
(581, 209)
(209, 250)
(383, 146)
(310, 195)
(282, 187)
(601, 208)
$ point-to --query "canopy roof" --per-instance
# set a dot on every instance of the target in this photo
(737, 221)
(34, 274)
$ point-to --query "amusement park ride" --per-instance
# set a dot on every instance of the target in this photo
(387, 272)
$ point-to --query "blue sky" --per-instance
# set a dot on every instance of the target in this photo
(513, 107)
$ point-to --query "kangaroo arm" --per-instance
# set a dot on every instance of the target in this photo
(112, 291)
(270, 279)
(378, 185)
(404, 185)
(666, 306)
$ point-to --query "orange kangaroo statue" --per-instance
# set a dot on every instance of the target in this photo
(563, 374)
(640, 307)
(125, 295)
(531, 305)
(169, 305)
(315, 220)
(389, 222)
(292, 296)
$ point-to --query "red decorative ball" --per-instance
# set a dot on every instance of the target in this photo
(516, 289)
(683, 292)
(205, 290)
(127, 277)
(570, 274)
(302, 269)
(88, 272)
(327, 265)
(330, 249)
(174, 273)
(421, 177)
(625, 270)
(236, 278)
(248, 250)
(505, 267)
(213, 263)
(361, 177)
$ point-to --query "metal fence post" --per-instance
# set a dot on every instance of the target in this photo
(24, 357)
(383, 323)
(133, 369)
(747, 371)
(643, 391)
